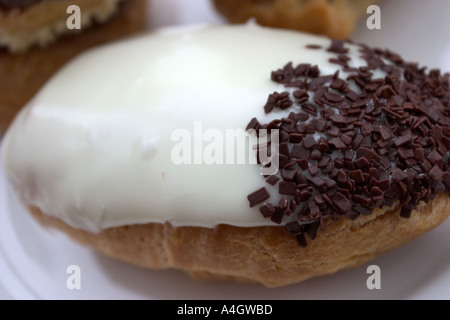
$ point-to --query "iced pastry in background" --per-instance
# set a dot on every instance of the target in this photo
(35, 41)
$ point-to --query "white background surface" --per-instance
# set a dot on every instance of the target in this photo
(33, 261)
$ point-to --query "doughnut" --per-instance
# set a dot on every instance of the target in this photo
(335, 19)
(35, 41)
(293, 157)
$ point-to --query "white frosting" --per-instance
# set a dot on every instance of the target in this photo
(93, 148)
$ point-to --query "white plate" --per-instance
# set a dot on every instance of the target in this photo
(33, 261)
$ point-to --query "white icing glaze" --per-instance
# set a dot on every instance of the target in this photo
(93, 148)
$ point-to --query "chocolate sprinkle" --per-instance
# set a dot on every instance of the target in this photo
(345, 152)
(313, 46)
(286, 188)
(272, 179)
(267, 210)
(258, 196)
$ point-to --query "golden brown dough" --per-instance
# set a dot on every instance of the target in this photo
(335, 19)
(268, 255)
(24, 73)
(44, 21)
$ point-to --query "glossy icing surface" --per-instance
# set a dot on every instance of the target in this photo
(95, 147)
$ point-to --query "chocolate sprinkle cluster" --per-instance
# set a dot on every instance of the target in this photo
(355, 143)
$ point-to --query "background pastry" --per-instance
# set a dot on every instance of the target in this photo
(336, 19)
(35, 41)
